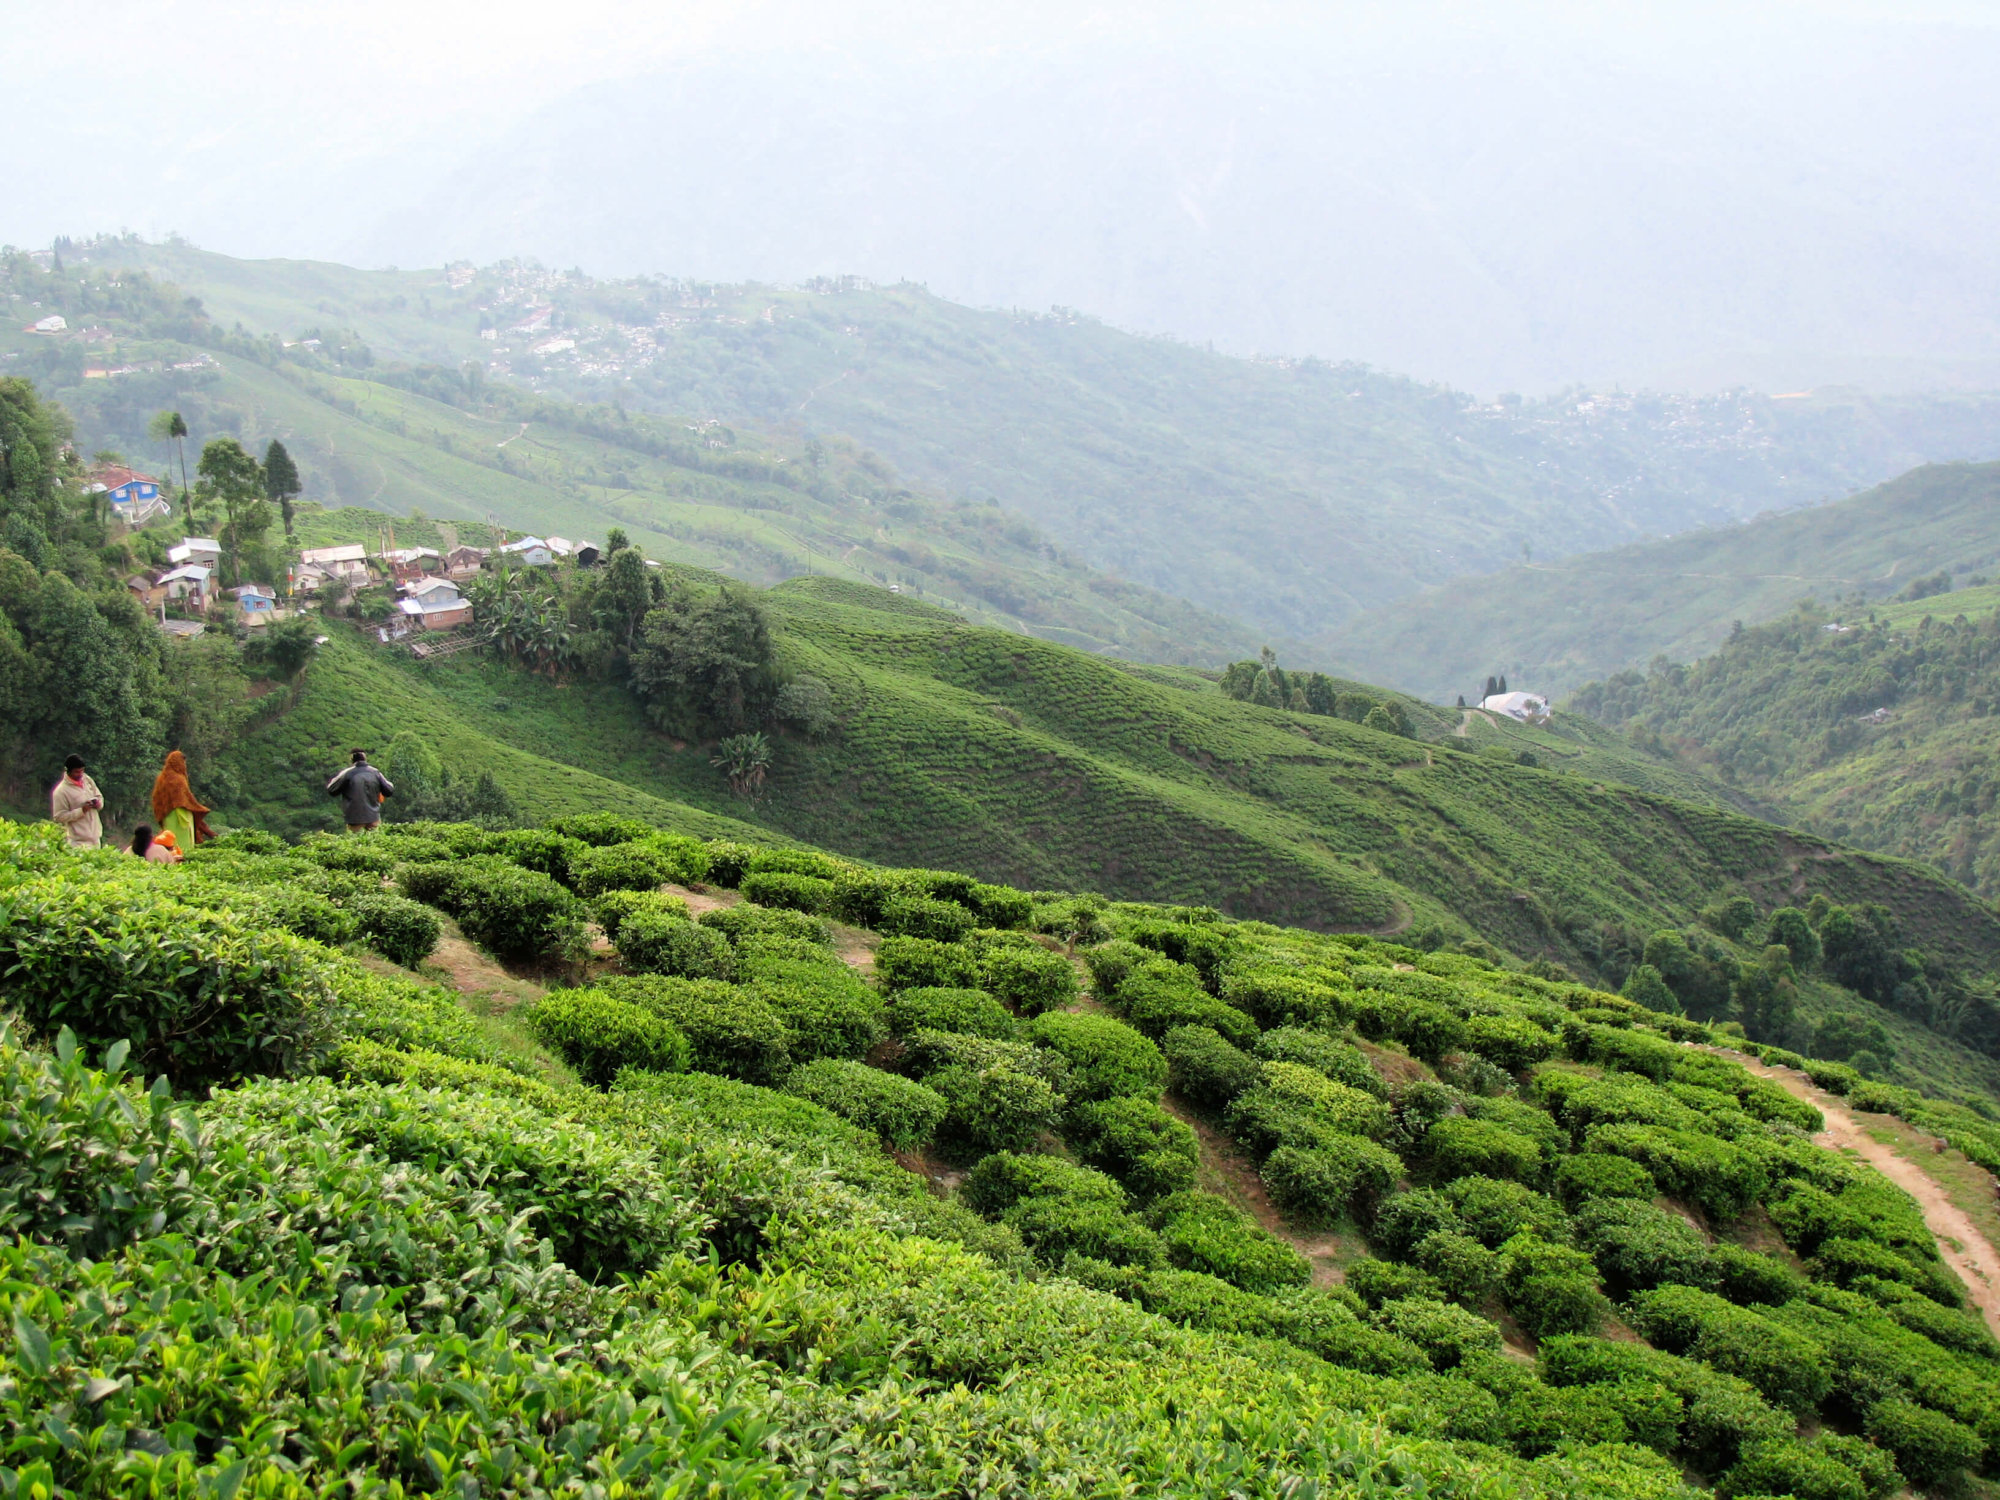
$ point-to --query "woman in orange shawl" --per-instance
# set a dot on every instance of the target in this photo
(174, 807)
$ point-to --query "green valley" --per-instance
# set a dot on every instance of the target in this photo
(1553, 626)
(1873, 725)
(1294, 496)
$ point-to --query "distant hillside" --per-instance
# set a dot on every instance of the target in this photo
(1554, 626)
(1017, 759)
(441, 441)
(1289, 495)
(1874, 728)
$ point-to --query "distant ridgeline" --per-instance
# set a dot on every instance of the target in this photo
(655, 1222)
(1874, 725)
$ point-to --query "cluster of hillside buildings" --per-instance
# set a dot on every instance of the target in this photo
(428, 585)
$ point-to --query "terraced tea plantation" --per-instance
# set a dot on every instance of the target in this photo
(803, 1176)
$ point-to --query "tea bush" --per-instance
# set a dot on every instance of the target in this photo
(1929, 1447)
(1158, 996)
(748, 919)
(539, 849)
(1448, 1335)
(1338, 1060)
(922, 917)
(653, 941)
(973, 1012)
(599, 829)
(202, 997)
(597, 1035)
(787, 892)
(403, 931)
(730, 1032)
(1322, 1182)
(1201, 1232)
(1285, 998)
(1107, 1058)
(910, 963)
(1349, 1111)
(1206, 1070)
(613, 907)
(1460, 1147)
(827, 1009)
(1029, 979)
(1110, 964)
(641, 865)
(1137, 1142)
(903, 1112)
(1581, 1178)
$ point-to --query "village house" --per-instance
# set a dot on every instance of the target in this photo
(348, 563)
(134, 498)
(530, 551)
(1529, 708)
(147, 590)
(187, 584)
(406, 557)
(464, 562)
(200, 551)
(53, 323)
(434, 611)
(255, 603)
(433, 589)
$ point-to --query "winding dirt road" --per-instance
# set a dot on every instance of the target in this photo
(1960, 1243)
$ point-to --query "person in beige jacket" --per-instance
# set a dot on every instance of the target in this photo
(75, 804)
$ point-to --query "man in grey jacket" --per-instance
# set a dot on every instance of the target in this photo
(75, 804)
(361, 789)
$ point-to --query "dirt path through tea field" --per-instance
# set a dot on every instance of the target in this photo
(1960, 1243)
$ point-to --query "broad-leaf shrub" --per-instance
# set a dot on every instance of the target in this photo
(1106, 1058)
(1460, 1147)
(1205, 1069)
(598, 1036)
(539, 849)
(924, 917)
(1929, 1446)
(1448, 1335)
(642, 865)
(902, 1111)
(90, 1160)
(1637, 1246)
(1276, 997)
(731, 1032)
(787, 892)
(1593, 1175)
(1137, 1142)
(1160, 995)
(828, 1010)
(908, 963)
(973, 1012)
(202, 997)
(1341, 1061)
(1110, 964)
(516, 914)
(613, 907)
(1406, 1219)
(1494, 1211)
(1030, 979)
(1347, 1110)
(658, 942)
(401, 930)
(599, 829)
(1322, 1182)
(1549, 1288)
(747, 919)
(307, 914)
(1514, 1042)
(1202, 1232)
(1788, 1367)
(1717, 1176)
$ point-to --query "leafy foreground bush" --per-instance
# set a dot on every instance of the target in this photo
(598, 1036)
(515, 914)
(200, 997)
(402, 931)
(904, 1113)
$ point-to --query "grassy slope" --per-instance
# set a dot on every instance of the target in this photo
(1023, 761)
(1554, 626)
(362, 442)
(1285, 494)
(1786, 713)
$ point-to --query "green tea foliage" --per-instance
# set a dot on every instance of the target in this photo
(1137, 1142)
(613, 907)
(919, 963)
(401, 930)
(599, 1036)
(787, 892)
(1107, 1059)
(1201, 1232)
(199, 996)
(903, 1112)
(658, 942)
(973, 1012)
(1029, 979)
(1206, 1070)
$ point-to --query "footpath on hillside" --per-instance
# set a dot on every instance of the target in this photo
(1960, 1243)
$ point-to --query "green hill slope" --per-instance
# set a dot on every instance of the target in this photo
(1021, 760)
(450, 446)
(1551, 627)
(1290, 495)
(1876, 728)
(1211, 1209)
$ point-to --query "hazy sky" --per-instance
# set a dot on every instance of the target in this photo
(388, 131)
